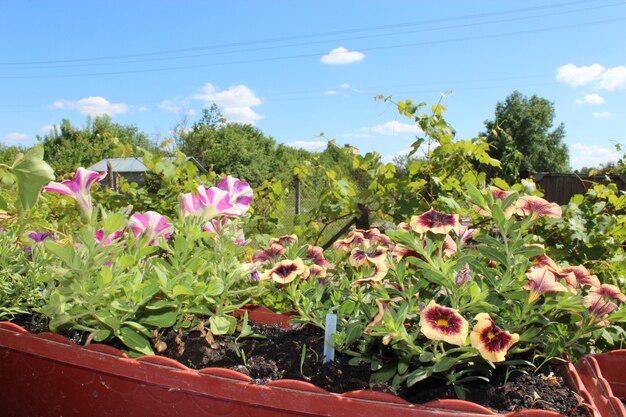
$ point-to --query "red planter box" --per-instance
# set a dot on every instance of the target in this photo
(47, 375)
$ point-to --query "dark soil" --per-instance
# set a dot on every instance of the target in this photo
(276, 354)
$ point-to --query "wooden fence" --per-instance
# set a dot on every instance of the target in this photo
(559, 188)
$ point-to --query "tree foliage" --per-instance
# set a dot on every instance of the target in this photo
(238, 149)
(522, 136)
(68, 147)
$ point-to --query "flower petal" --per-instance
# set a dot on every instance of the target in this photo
(443, 323)
(491, 342)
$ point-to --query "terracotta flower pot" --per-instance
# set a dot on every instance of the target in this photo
(47, 375)
(604, 375)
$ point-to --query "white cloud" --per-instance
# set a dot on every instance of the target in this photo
(15, 137)
(46, 129)
(308, 145)
(603, 114)
(392, 128)
(176, 106)
(594, 99)
(610, 79)
(331, 93)
(142, 109)
(357, 135)
(91, 106)
(169, 106)
(344, 86)
(341, 56)
(62, 104)
(235, 102)
(99, 106)
(591, 155)
(390, 157)
(577, 76)
(613, 79)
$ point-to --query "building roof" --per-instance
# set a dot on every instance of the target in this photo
(134, 164)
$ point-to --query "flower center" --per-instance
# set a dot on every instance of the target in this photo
(284, 271)
(443, 322)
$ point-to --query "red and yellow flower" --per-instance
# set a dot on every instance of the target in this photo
(435, 222)
(531, 205)
(286, 271)
(541, 281)
(444, 324)
(492, 342)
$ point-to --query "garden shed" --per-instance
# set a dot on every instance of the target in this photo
(133, 169)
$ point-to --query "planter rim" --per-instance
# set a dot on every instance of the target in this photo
(294, 397)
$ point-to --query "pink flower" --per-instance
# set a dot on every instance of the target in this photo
(435, 222)
(107, 240)
(599, 301)
(208, 204)
(151, 225)
(583, 276)
(442, 323)
(240, 192)
(78, 188)
(541, 281)
(216, 202)
(609, 291)
(491, 342)
(530, 205)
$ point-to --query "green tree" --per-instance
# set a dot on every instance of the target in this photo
(524, 125)
(238, 149)
(68, 147)
(8, 153)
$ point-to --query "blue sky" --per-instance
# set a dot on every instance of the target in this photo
(297, 69)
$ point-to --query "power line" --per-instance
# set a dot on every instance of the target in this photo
(559, 13)
(319, 54)
(289, 38)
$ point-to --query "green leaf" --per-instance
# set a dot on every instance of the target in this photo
(385, 374)
(114, 222)
(134, 340)
(222, 324)
(215, 287)
(64, 253)
(417, 376)
(445, 364)
(181, 290)
(102, 335)
(31, 173)
(164, 319)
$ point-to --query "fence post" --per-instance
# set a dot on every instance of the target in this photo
(298, 194)
(363, 221)
(110, 175)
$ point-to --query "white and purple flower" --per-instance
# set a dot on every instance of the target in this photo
(240, 192)
(151, 225)
(78, 188)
